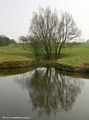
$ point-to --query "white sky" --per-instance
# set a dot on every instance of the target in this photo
(15, 15)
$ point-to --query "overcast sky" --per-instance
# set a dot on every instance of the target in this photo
(15, 15)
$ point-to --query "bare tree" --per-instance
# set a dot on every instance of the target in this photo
(67, 30)
(23, 40)
(51, 31)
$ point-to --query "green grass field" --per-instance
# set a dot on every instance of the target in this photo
(15, 52)
(74, 55)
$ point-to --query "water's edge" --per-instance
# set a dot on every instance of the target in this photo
(81, 68)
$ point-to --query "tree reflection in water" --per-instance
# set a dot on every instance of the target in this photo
(50, 91)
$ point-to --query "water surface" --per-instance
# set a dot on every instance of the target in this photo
(44, 94)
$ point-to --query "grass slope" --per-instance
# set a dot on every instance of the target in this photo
(75, 55)
(15, 52)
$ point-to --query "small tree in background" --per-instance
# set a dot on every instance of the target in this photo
(23, 40)
(51, 32)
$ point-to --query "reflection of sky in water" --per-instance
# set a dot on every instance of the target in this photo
(44, 94)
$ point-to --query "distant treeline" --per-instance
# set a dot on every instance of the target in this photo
(5, 40)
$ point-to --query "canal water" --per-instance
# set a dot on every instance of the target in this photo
(43, 94)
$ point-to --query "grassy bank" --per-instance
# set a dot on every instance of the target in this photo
(73, 58)
(15, 56)
(15, 52)
(72, 55)
(75, 55)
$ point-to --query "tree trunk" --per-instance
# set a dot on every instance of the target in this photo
(60, 47)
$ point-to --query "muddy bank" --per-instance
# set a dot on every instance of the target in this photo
(17, 64)
(81, 68)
